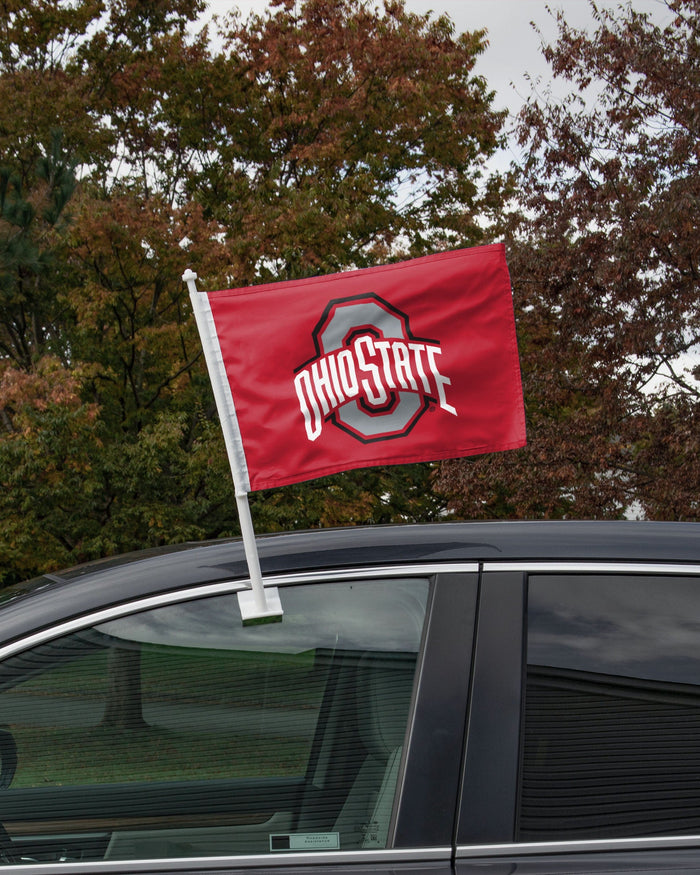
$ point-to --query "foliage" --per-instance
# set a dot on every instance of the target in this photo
(356, 136)
(605, 265)
(322, 135)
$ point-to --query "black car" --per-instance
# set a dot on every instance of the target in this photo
(459, 698)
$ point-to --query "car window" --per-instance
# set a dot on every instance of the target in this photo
(611, 742)
(179, 732)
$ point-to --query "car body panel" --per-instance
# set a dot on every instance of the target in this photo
(456, 806)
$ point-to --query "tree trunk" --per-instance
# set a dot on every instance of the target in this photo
(123, 709)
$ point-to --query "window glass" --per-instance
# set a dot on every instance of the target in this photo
(611, 744)
(180, 732)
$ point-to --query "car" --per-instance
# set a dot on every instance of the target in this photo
(450, 698)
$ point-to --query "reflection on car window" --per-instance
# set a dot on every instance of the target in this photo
(611, 742)
(179, 732)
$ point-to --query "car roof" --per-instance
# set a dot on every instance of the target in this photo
(118, 579)
(621, 540)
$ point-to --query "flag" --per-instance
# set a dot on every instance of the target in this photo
(407, 362)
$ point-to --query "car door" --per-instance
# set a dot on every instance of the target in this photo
(163, 729)
(584, 742)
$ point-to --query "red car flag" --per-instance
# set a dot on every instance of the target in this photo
(407, 362)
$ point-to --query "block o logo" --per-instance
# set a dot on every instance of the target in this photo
(370, 376)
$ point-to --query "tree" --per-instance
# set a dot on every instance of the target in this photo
(319, 136)
(605, 261)
(32, 218)
(353, 136)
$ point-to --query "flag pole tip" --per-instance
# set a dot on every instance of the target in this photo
(189, 275)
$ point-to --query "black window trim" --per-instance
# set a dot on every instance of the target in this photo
(489, 780)
(427, 798)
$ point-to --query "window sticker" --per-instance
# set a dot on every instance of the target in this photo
(305, 841)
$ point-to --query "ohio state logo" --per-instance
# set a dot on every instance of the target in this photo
(370, 377)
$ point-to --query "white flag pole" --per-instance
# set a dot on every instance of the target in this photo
(257, 605)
